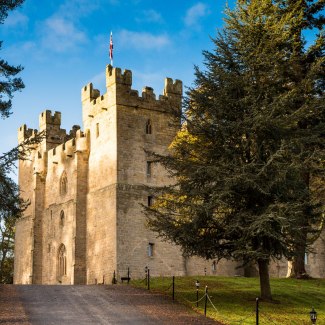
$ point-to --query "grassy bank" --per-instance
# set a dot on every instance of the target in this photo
(233, 299)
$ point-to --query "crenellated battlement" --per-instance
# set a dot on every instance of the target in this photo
(88, 93)
(173, 88)
(46, 119)
(119, 92)
(65, 151)
(115, 76)
(24, 133)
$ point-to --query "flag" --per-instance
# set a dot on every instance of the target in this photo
(111, 48)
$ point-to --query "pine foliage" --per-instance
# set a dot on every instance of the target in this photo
(9, 83)
(253, 141)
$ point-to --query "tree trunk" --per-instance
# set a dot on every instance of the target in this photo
(265, 287)
(296, 267)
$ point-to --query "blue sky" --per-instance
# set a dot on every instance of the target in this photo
(63, 45)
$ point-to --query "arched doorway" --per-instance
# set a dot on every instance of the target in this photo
(61, 263)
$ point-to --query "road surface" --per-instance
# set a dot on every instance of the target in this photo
(99, 304)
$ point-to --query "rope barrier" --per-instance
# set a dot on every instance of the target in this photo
(213, 304)
(205, 295)
(193, 302)
(235, 321)
(167, 288)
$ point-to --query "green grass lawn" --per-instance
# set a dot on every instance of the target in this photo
(234, 299)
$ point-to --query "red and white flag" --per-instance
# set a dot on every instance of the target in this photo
(111, 48)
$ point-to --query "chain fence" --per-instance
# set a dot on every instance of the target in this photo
(257, 316)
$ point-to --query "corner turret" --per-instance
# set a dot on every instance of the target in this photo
(114, 76)
(88, 93)
(24, 133)
(47, 120)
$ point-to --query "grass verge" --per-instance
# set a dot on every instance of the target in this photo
(233, 300)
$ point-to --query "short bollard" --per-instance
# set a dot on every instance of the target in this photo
(257, 311)
(146, 272)
(313, 315)
(173, 287)
(206, 300)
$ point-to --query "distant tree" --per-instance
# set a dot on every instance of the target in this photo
(9, 83)
(7, 236)
(11, 206)
(253, 135)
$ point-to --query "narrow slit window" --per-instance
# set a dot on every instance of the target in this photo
(148, 127)
(149, 168)
(150, 201)
(97, 130)
(150, 249)
(62, 219)
(63, 184)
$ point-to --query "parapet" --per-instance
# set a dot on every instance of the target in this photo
(46, 118)
(115, 76)
(89, 93)
(173, 88)
(24, 133)
(119, 92)
(65, 151)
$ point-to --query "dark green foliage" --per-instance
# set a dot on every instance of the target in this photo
(253, 141)
(7, 234)
(9, 83)
(11, 206)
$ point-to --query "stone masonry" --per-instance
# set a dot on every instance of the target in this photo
(85, 220)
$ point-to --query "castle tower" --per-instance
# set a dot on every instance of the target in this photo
(86, 189)
(123, 125)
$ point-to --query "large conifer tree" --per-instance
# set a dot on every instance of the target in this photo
(9, 83)
(254, 136)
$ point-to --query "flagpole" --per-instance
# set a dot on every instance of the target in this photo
(111, 48)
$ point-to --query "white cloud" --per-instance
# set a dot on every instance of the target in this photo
(75, 9)
(150, 16)
(16, 19)
(194, 13)
(61, 35)
(142, 40)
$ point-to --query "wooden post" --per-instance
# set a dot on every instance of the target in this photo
(206, 300)
(257, 311)
(173, 287)
(148, 280)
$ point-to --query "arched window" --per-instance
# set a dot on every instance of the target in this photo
(63, 183)
(148, 127)
(62, 261)
(62, 218)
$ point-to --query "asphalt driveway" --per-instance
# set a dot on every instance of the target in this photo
(98, 304)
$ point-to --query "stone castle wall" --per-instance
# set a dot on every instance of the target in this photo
(87, 189)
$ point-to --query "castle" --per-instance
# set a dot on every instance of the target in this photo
(85, 221)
